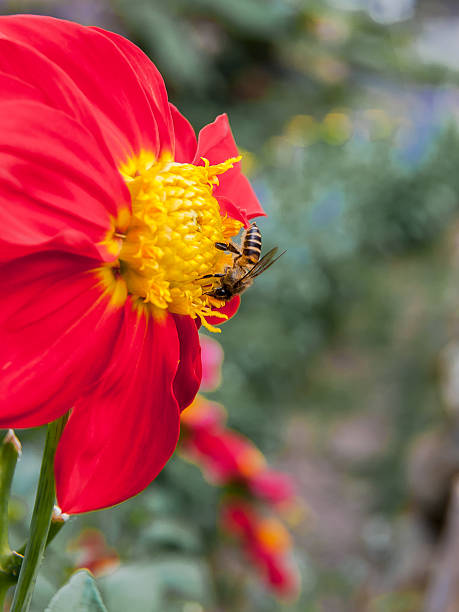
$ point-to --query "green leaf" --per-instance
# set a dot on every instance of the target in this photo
(167, 583)
(80, 594)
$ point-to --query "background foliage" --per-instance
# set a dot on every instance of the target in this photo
(341, 365)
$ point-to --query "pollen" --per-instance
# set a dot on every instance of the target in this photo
(165, 244)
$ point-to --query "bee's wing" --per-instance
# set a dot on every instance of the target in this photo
(265, 262)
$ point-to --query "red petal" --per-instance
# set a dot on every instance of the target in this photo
(57, 334)
(276, 567)
(273, 486)
(98, 64)
(57, 190)
(151, 84)
(230, 309)
(212, 358)
(237, 517)
(188, 377)
(215, 452)
(124, 429)
(280, 574)
(203, 414)
(185, 138)
(13, 88)
(216, 143)
(228, 208)
(49, 84)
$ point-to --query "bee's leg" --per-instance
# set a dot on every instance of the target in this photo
(227, 246)
(210, 276)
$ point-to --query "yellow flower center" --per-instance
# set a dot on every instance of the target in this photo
(166, 243)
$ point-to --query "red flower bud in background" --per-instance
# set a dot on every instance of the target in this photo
(212, 358)
(93, 553)
(230, 460)
(273, 486)
(227, 457)
(202, 415)
(266, 543)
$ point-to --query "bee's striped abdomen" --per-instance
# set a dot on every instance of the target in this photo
(251, 247)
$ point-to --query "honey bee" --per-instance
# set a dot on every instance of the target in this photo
(247, 264)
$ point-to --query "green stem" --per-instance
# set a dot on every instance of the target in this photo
(5, 584)
(10, 449)
(41, 519)
(57, 522)
(13, 562)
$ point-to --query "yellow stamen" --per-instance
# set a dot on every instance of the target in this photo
(167, 243)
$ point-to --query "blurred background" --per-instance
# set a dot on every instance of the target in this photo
(343, 363)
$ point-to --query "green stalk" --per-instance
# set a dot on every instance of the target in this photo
(13, 562)
(41, 519)
(5, 583)
(10, 450)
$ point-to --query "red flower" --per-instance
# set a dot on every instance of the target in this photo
(93, 552)
(231, 460)
(110, 210)
(227, 457)
(202, 415)
(273, 486)
(266, 543)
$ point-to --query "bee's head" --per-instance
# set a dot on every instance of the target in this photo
(221, 293)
